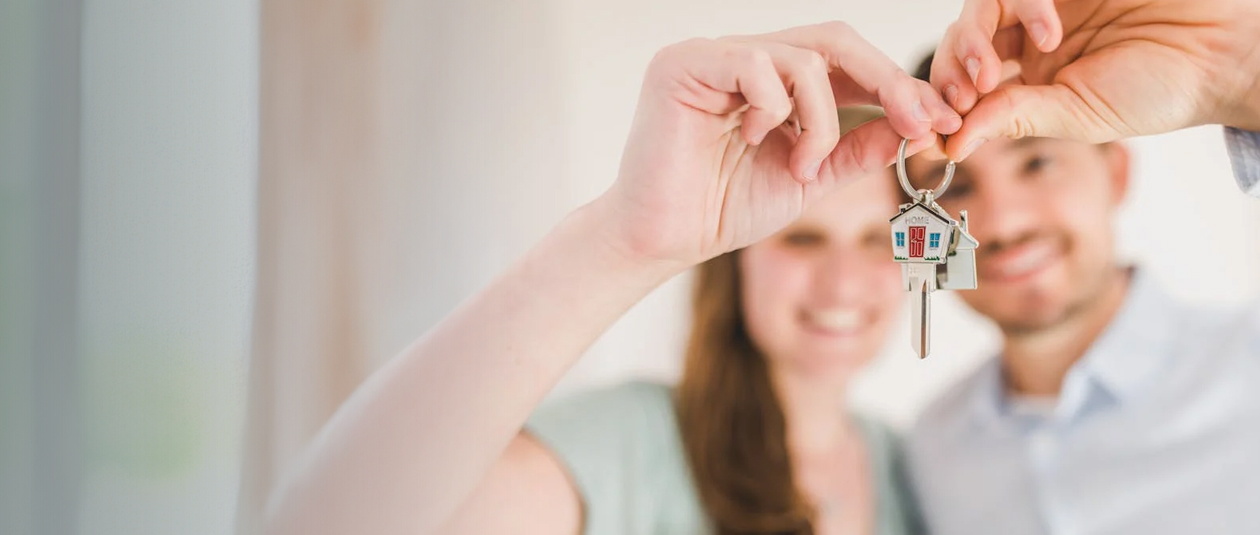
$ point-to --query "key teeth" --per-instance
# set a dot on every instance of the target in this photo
(922, 318)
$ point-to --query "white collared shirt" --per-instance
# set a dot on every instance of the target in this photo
(1156, 431)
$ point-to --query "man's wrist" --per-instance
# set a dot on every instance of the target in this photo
(1243, 112)
(1251, 109)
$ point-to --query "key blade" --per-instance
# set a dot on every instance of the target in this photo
(920, 317)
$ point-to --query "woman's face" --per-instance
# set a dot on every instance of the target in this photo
(819, 296)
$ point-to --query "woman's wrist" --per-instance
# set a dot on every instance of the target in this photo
(597, 227)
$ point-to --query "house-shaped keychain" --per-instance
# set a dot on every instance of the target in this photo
(924, 238)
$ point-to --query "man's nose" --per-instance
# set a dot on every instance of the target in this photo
(1001, 212)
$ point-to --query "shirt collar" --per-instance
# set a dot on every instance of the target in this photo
(1138, 342)
(1127, 355)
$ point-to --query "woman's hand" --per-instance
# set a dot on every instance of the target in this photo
(734, 137)
(1099, 70)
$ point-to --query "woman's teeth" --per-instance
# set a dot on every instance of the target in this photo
(845, 319)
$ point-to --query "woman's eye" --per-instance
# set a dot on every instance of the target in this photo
(802, 239)
(1036, 164)
(877, 239)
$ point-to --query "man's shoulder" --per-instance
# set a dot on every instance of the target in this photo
(1217, 336)
(1218, 329)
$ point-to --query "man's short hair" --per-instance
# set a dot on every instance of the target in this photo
(924, 69)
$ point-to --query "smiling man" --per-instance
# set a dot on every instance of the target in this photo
(1111, 408)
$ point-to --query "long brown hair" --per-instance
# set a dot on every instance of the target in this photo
(731, 422)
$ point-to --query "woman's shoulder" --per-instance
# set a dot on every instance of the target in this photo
(875, 432)
(622, 449)
(628, 392)
(898, 509)
(631, 403)
(598, 429)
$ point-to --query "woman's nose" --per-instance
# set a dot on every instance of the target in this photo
(842, 276)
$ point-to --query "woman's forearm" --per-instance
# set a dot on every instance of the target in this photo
(416, 438)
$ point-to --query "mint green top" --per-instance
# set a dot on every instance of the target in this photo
(622, 449)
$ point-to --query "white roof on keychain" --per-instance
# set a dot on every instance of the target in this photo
(922, 235)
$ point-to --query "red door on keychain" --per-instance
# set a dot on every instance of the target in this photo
(916, 241)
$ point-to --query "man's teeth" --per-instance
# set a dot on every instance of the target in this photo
(837, 320)
(1027, 261)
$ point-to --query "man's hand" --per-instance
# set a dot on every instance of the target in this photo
(1099, 70)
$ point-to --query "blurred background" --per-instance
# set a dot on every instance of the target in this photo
(217, 217)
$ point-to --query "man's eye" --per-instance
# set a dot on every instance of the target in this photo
(801, 239)
(956, 191)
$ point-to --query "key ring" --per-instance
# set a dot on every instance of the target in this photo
(905, 180)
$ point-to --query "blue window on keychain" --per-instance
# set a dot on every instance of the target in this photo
(901, 239)
(934, 240)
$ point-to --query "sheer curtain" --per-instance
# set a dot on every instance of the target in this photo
(408, 152)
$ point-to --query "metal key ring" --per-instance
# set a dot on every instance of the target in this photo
(905, 180)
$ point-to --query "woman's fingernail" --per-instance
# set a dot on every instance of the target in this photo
(973, 69)
(971, 147)
(1039, 33)
(920, 113)
(811, 172)
(951, 94)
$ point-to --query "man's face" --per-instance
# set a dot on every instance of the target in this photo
(1042, 210)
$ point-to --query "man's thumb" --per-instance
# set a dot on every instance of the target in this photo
(1017, 111)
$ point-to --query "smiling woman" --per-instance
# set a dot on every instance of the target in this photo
(779, 327)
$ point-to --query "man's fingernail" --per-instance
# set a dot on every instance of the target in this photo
(1039, 33)
(811, 172)
(973, 69)
(951, 94)
(920, 113)
(971, 147)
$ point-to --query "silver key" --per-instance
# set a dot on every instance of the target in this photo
(922, 282)
(925, 238)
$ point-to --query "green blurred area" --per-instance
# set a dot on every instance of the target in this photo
(145, 408)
